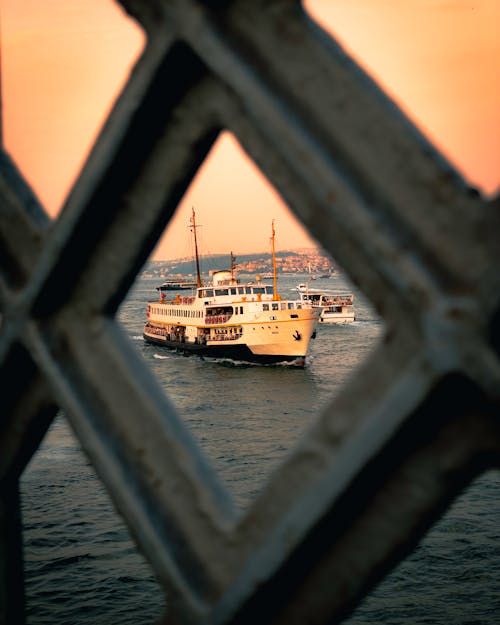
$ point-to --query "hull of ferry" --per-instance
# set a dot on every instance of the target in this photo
(236, 353)
(262, 342)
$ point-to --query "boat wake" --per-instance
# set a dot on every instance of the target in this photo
(242, 364)
(228, 362)
(160, 357)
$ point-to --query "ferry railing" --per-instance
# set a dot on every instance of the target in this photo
(406, 434)
(211, 319)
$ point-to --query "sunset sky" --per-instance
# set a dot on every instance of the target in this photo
(64, 62)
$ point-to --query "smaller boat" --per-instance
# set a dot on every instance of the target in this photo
(336, 306)
(176, 285)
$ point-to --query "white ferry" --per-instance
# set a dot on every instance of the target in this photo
(334, 307)
(227, 319)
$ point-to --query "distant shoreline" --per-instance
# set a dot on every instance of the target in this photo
(299, 261)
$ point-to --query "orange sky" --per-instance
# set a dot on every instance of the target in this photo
(64, 62)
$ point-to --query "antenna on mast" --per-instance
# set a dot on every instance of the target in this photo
(198, 273)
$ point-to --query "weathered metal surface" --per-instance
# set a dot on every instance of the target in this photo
(409, 431)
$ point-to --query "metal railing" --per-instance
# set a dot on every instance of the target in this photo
(416, 424)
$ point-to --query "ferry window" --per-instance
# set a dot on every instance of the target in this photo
(241, 290)
(294, 316)
(299, 305)
(248, 290)
(221, 291)
(265, 306)
(275, 306)
(241, 310)
(269, 290)
(283, 306)
(208, 293)
(233, 291)
(236, 310)
(259, 289)
(291, 305)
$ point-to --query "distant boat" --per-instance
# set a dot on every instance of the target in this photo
(227, 319)
(335, 306)
(176, 285)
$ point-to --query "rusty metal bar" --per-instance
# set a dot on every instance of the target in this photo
(381, 476)
(169, 495)
(333, 136)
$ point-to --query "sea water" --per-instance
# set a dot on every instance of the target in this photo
(82, 568)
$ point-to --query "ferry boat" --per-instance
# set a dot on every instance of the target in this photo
(227, 319)
(334, 307)
(176, 285)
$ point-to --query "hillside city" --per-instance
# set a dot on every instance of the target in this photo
(308, 260)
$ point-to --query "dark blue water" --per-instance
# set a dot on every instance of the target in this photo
(83, 569)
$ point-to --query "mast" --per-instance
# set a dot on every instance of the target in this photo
(233, 266)
(198, 274)
(275, 282)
